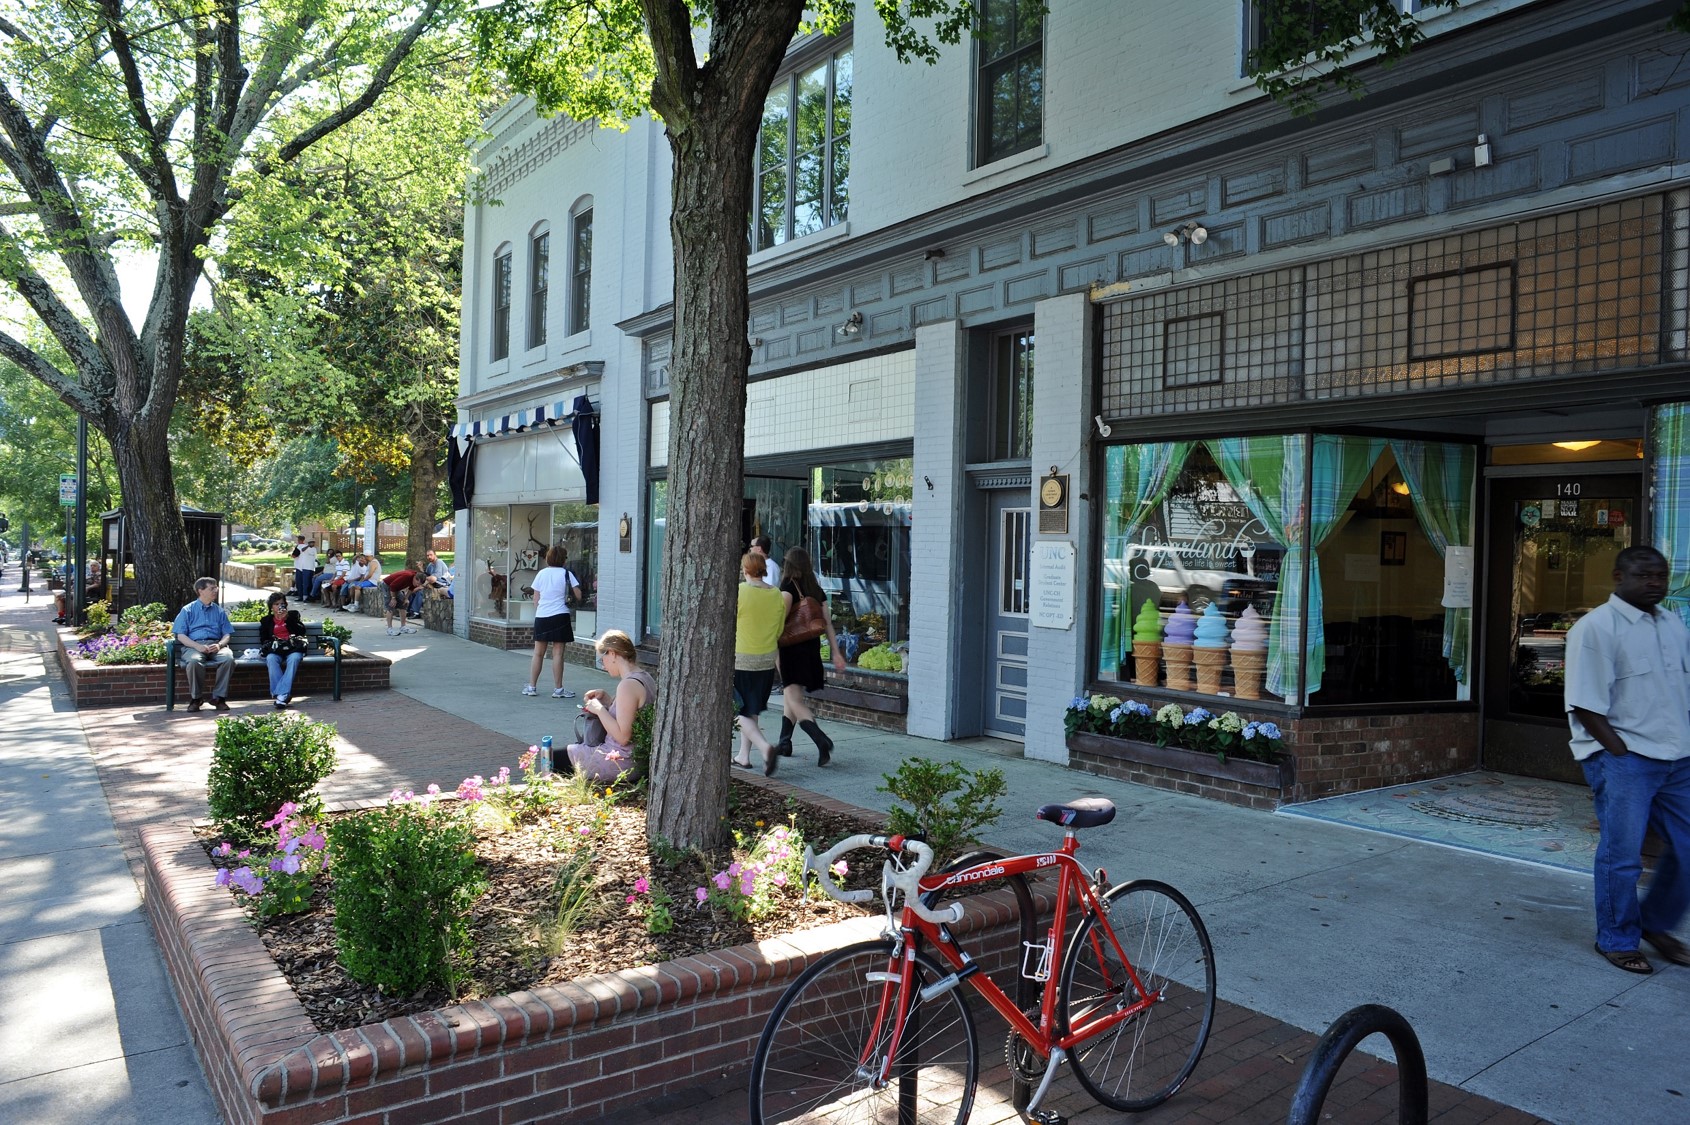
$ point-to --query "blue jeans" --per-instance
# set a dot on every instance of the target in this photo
(302, 580)
(281, 678)
(1634, 794)
(319, 582)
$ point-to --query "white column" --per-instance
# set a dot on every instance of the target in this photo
(1062, 383)
(936, 528)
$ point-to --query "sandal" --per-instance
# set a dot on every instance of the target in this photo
(1631, 960)
(1668, 946)
(745, 765)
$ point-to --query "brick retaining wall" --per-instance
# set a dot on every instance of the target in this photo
(577, 1051)
(137, 685)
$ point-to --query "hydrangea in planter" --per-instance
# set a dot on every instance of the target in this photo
(1223, 735)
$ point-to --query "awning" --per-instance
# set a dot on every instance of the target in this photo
(548, 414)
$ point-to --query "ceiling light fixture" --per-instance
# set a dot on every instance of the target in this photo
(1193, 232)
(1575, 446)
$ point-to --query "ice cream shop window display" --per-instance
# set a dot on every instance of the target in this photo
(1272, 576)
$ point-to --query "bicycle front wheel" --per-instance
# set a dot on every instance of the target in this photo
(1140, 1062)
(822, 1051)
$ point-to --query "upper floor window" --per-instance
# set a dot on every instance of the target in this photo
(1254, 33)
(502, 304)
(580, 270)
(1010, 88)
(539, 265)
(803, 153)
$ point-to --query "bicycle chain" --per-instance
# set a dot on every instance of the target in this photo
(1025, 1064)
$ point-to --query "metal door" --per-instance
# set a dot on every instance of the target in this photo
(1007, 615)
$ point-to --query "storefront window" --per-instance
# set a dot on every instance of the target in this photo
(859, 541)
(657, 522)
(1220, 526)
(510, 549)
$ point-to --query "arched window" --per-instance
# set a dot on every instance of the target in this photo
(502, 302)
(539, 266)
(581, 265)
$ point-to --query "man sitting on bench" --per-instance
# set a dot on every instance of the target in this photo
(204, 630)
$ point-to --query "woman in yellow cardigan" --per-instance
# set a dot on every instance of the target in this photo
(762, 616)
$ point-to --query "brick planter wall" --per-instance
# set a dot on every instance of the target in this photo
(137, 685)
(1330, 754)
(1237, 781)
(574, 1052)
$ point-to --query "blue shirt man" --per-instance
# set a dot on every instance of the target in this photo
(202, 629)
(1628, 704)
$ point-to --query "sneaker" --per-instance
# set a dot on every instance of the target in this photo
(407, 628)
(563, 693)
(528, 689)
(393, 632)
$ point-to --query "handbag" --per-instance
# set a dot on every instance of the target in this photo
(806, 621)
(589, 729)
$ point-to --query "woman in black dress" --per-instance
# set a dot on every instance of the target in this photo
(801, 664)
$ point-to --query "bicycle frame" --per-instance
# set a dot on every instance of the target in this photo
(1072, 882)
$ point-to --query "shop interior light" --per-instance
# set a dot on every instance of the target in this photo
(1575, 446)
(1400, 487)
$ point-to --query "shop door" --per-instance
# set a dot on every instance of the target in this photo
(1550, 559)
(1007, 615)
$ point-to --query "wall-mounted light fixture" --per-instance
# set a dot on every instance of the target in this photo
(1103, 428)
(929, 482)
(853, 324)
(1481, 152)
(1193, 232)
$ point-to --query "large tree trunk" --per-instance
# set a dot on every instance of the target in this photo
(427, 471)
(712, 117)
(153, 522)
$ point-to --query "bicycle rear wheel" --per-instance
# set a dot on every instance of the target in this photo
(825, 1041)
(1140, 1062)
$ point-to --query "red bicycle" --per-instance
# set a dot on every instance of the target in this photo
(880, 1031)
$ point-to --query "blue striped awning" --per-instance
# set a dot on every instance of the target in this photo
(546, 414)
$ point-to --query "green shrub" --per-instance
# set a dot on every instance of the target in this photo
(136, 615)
(948, 823)
(144, 650)
(405, 877)
(260, 762)
(645, 725)
(98, 617)
(251, 610)
(333, 628)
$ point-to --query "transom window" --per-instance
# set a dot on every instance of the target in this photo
(1011, 82)
(502, 304)
(803, 153)
(1012, 396)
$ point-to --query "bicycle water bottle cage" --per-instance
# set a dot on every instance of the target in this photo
(1086, 812)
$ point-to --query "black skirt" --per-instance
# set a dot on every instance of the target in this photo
(751, 691)
(554, 630)
(801, 664)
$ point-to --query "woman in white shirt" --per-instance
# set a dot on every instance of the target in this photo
(553, 588)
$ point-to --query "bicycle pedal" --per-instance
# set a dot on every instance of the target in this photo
(1047, 1117)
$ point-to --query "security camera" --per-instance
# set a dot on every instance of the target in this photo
(1103, 429)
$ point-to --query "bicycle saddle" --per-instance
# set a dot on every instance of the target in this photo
(1087, 812)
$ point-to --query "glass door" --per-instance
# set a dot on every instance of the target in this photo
(1550, 559)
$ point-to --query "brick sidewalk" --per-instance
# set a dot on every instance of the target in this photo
(153, 767)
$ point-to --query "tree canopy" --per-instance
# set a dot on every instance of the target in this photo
(143, 127)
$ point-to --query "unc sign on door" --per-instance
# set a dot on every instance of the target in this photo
(1053, 585)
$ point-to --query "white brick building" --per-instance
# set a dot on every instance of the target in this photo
(1408, 309)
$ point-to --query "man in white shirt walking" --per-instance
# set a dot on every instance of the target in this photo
(763, 545)
(1628, 704)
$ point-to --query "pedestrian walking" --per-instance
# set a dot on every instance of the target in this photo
(554, 626)
(801, 663)
(764, 546)
(762, 614)
(203, 629)
(1628, 704)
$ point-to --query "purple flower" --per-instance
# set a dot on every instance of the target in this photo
(314, 840)
(276, 862)
(243, 878)
(290, 864)
(223, 849)
(722, 880)
(222, 876)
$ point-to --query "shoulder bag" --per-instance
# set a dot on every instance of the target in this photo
(805, 621)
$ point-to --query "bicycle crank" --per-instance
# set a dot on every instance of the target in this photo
(1025, 1064)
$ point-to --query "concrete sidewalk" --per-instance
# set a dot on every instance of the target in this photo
(1489, 959)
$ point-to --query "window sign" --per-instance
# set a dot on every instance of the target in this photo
(1053, 585)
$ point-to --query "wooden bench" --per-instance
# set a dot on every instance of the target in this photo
(244, 638)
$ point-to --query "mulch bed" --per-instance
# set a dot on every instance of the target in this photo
(510, 922)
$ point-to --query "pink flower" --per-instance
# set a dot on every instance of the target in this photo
(701, 894)
(839, 868)
(630, 900)
(778, 878)
(722, 880)
(433, 789)
(223, 849)
(747, 884)
(282, 814)
(641, 885)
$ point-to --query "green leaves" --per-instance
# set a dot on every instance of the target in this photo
(261, 762)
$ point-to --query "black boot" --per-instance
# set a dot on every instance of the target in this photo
(824, 744)
(784, 746)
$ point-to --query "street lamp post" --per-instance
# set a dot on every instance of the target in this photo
(80, 595)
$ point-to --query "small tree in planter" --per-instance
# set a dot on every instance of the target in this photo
(261, 762)
(948, 823)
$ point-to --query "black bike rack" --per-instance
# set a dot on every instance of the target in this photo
(1346, 1032)
(1025, 995)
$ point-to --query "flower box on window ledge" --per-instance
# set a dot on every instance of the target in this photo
(1146, 750)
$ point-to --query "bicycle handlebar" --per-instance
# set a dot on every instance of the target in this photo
(904, 879)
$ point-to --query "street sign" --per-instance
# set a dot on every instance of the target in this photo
(67, 490)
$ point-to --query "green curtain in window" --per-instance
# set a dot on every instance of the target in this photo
(1669, 450)
(1440, 482)
(1341, 464)
(1136, 481)
(1268, 475)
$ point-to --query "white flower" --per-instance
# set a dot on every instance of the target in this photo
(1171, 715)
(1231, 722)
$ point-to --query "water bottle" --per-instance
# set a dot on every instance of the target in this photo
(546, 754)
